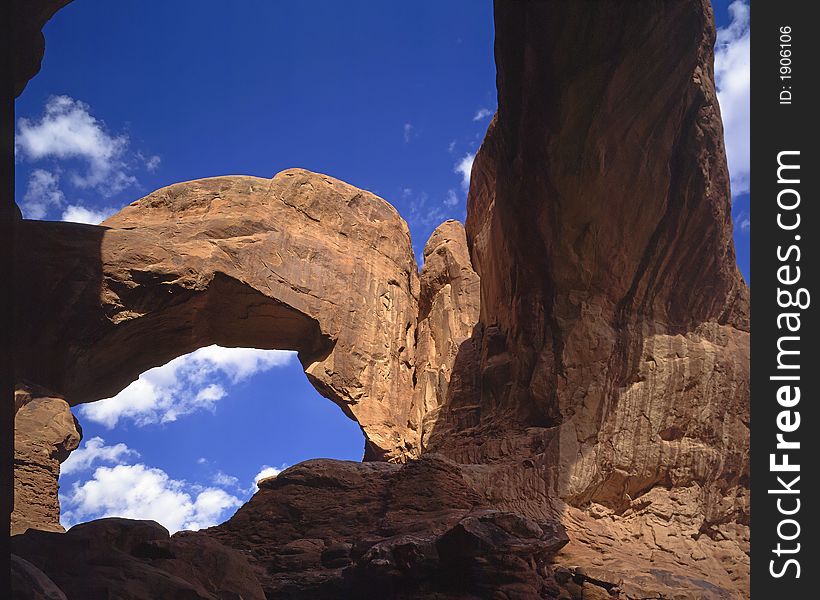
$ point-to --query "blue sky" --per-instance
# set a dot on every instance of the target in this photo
(391, 97)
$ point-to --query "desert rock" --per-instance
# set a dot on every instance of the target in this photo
(298, 262)
(574, 362)
(137, 560)
(45, 433)
(614, 330)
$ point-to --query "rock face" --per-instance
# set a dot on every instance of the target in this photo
(301, 262)
(614, 331)
(448, 310)
(45, 433)
(137, 560)
(377, 530)
(29, 17)
(593, 382)
(30, 583)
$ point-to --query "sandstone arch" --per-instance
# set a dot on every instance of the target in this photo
(300, 262)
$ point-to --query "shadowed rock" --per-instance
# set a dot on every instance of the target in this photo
(137, 560)
(609, 372)
(594, 379)
(298, 262)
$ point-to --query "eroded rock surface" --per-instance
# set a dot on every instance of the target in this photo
(596, 376)
(378, 530)
(448, 310)
(137, 560)
(45, 433)
(613, 344)
(301, 261)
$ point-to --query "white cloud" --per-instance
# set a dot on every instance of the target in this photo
(153, 162)
(422, 212)
(732, 77)
(464, 167)
(224, 479)
(239, 363)
(408, 132)
(82, 214)
(186, 384)
(265, 473)
(482, 113)
(451, 146)
(743, 221)
(141, 492)
(202, 460)
(67, 130)
(451, 199)
(43, 191)
(94, 450)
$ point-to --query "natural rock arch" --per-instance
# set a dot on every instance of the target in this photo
(298, 262)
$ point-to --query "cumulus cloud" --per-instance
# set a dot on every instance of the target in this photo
(185, 385)
(265, 473)
(42, 192)
(482, 113)
(141, 492)
(76, 213)
(451, 199)
(732, 77)
(95, 450)
(464, 167)
(67, 130)
(408, 132)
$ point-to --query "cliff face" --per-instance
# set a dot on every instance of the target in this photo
(613, 336)
(574, 363)
(30, 16)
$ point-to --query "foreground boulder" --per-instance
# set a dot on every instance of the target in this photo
(137, 560)
(377, 530)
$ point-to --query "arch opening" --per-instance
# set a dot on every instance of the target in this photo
(186, 443)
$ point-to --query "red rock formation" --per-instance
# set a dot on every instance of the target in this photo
(136, 560)
(45, 432)
(613, 336)
(447, 314)
(601, 380)
(298, 262)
